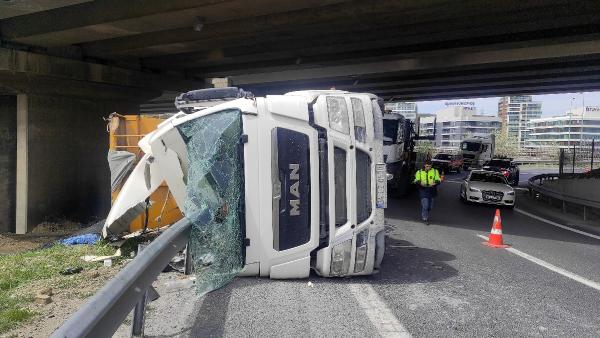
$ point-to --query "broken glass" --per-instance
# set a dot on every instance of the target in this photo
(215, 197)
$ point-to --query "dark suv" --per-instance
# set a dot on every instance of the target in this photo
(447, 162)
(506, 166)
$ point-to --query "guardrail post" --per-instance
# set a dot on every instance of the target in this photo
(139, 312)
(592, 160)
(188, 267)
(561, 161)
(574, 158)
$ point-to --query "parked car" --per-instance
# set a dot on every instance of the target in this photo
(506, 167)
(488, 187)
(447, 162)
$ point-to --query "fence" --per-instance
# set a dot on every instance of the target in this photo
(580, 158)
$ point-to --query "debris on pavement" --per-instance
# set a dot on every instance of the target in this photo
(93, 258)
(310, 284)
(180, 284)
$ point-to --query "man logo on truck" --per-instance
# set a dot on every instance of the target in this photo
(294, 189)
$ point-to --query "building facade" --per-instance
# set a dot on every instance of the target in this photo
(515, 113)
(577, 126)
(456, 122)
(407, 109)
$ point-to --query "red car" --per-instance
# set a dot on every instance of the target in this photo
(447, 162)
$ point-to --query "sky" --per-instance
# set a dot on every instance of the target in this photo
(552, 104)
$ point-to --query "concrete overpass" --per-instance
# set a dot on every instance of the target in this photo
(66, 63)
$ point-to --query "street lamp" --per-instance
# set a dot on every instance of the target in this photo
(570, 121)
(581, 125)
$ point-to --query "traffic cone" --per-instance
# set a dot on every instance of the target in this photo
(495, 239)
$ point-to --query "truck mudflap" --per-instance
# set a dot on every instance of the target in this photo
(132, 200)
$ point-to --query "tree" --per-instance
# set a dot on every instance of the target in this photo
(505, 145)
(424, 149)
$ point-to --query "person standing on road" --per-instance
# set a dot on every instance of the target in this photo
(427, 178)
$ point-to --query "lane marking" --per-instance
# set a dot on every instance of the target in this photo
(556, 224)
(552, 267)
(378, 312)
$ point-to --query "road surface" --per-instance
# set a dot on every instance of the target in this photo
(436, 281)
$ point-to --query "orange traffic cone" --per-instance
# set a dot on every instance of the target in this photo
(495, 239)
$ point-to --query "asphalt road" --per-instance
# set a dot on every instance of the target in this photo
(436, 281)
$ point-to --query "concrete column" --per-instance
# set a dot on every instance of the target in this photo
(8, 165)
(22, 188)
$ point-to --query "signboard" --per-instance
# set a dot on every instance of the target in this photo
(460, 103)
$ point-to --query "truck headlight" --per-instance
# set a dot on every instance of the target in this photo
(340, 258)
(361, 250)
(338, 114)
(510, 193)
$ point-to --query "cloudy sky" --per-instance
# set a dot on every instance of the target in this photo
(552, 104)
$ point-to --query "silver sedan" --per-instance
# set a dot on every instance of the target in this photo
(487, 187)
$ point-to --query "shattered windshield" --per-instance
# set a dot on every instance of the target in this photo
(215, 197)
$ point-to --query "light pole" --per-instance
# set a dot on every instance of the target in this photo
(581, 125)
(570, 121)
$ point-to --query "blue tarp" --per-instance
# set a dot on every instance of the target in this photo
(81, 239)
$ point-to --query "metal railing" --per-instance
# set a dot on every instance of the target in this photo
(542, 190)
(102, 315)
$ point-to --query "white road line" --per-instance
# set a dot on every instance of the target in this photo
(556, 224)
(378, 312)
(554, 268)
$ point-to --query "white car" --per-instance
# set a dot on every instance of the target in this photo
(487, 187)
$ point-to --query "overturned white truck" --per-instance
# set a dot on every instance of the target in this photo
(274, 186)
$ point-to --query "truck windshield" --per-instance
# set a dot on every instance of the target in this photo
(215, 197)
(470, 146)
(443, 157)
(390, 131)
(498, 163)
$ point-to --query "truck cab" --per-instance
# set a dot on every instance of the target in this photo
(283, 183)
(476, 151)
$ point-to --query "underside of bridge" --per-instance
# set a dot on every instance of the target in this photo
(66, 60)
(414, 49)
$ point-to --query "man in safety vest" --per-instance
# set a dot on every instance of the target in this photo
(427, 178)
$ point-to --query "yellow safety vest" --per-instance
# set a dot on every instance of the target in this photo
(428, 178)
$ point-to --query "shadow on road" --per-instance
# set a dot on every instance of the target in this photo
(210, 318)
(405, 263)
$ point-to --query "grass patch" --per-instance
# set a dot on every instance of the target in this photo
(40, 267)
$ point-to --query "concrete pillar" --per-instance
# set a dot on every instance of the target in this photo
(8, 158)
(22, 189)
(61, 167)
(220, 82)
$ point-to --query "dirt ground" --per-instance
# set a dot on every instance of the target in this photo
(44, 233)
(65, 301)
(11, 243)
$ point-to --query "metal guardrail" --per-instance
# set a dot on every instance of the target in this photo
(102, 315)
(539, 188)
